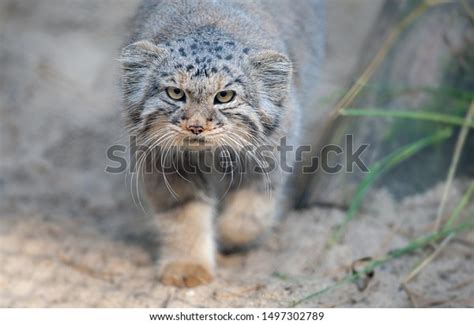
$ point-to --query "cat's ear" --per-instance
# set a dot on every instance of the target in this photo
(273, 71)
(137, 61)
(141, 54)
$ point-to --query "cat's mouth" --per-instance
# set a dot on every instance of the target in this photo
(197, 142)
(184, 138)
(208, 139)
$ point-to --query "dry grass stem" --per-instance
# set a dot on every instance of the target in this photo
(454, 165)
(428, 260)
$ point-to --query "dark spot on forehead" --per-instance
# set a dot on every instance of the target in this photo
(182, 52)
(239, 81)
(214, 69)
(209, 60)
(218, 48)
(225, 68)
(230, 43)
(246, 50)
(189, 67)
(164, 74)
(219, 57)
(229, 57)
(178, 66)
(207, 43)
(194, 46)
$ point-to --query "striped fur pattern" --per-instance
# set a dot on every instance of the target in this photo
(255, 50)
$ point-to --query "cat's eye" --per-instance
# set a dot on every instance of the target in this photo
(224, 97)
(175, 93)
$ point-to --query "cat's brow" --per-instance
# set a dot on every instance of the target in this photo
(229, 84)
(236, 81)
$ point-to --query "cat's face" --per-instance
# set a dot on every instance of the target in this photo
(212, 92)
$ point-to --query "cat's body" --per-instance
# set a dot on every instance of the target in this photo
(224, 73)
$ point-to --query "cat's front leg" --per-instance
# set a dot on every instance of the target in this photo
(187, 244)
(247, 216)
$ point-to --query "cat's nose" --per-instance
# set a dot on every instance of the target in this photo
(196, 129)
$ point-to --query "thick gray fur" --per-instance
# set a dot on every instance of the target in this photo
(269, 52)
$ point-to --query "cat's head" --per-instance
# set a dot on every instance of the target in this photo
(212, 91)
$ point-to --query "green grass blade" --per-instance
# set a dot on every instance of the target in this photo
(381, 167)
(415, 115)
(453, 95)
(413, 246)
(460, 207)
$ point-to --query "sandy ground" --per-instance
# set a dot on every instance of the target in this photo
(70, 235)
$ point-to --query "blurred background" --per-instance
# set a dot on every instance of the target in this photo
(399, 75)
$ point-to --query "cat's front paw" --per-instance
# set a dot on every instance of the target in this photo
(238, 230)
(186, 274)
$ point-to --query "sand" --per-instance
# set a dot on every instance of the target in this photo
(71, 236)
